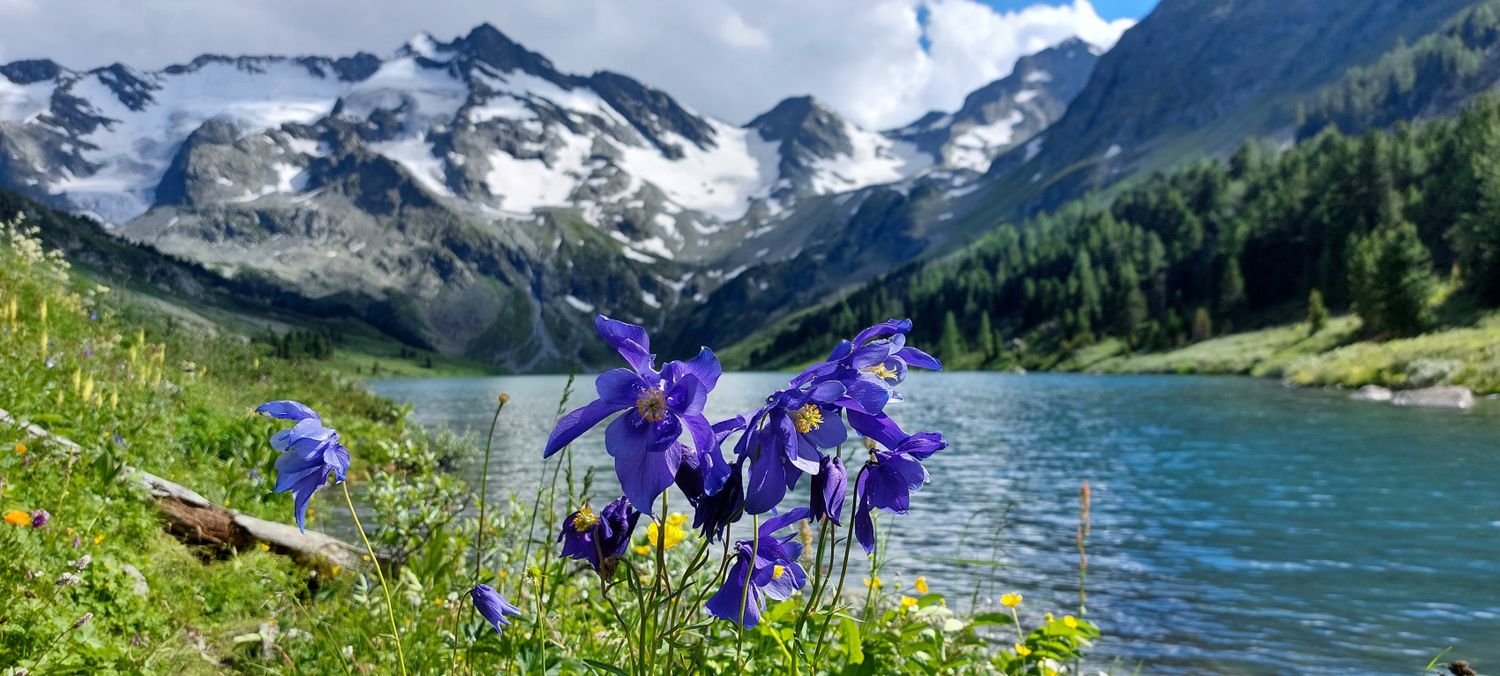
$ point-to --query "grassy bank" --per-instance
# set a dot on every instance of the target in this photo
(94, 583)
(1467, 355)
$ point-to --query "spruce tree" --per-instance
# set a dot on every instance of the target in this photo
(951, 344)
(986, 337)
(1317, 312)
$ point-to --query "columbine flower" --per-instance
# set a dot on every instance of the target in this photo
(310, 453)
(39, 518)
(770, 564)
(785, 438)
(889, 479)
(1010, 600)
(828, 488)
(871, 365)
(492, 605)
(713, 513)
(657, 407)
(601, 538)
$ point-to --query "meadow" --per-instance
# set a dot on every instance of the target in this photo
(95, 583)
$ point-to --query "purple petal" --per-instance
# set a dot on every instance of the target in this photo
(914, 357)
(921, 445)
(574, 424)
(630, 341)
(829, 434)
(769, 527)
(888, 327)
(619, 386)
(864, 526)
(705, 367)
(288, 410)
(687, 396)
(732, 596)
(644, 476)
(767, 482)
(866, 396)
(878, 427)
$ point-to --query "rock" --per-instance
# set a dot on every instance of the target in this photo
(1441, 397)
(1371, 393)
(138, 586)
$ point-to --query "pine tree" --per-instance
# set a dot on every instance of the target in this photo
(986, 337)
(951, 344)
(1317, 312)
(1203, 327)
(1390, 280)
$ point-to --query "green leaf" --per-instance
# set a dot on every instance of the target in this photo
(606, 668)
(849, 629)
(993, 619)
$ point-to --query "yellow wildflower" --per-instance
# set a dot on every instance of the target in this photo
(20, 448)
(1071, 621)
(873, 583)
(335, 570)
(908, 602)
(1010, 600)
(643, 550)
(676, 519)
(98, 538)
(1048, 617)
(16, 517)
(922, 584)
(674, 535)
(1022, 650)
(265, 547)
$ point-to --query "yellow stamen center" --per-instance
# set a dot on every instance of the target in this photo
(880, 371)
(652, 406)
(807, 418)
(777, 571)
(585, 519)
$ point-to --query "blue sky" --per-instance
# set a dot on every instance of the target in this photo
(1109, 9)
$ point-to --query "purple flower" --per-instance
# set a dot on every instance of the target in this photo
(784, 441)
(600, 538)
(889, 479)
(870, 366)
(828, 488)
(310, 453)
(492, 605)
(657, 407)
(40, 518)
(712, 514)
(770, 567)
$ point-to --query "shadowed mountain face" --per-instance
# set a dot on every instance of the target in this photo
(1198, 77)
(467, 195)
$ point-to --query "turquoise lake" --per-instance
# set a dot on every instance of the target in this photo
(1238, 526)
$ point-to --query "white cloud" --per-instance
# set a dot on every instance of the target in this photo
(728, 58)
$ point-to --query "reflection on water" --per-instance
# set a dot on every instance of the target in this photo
(1238, 526)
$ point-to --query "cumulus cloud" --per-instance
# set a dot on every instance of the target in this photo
(723, 57)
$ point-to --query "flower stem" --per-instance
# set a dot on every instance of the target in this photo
(838, 591)
(390, 608)
(484, 485)
(739, 639)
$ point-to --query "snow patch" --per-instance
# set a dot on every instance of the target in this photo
(578, 304)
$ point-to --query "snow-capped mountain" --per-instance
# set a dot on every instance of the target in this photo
(467, 194)
(1007, 112)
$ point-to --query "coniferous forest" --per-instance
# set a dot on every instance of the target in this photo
(1400, 226)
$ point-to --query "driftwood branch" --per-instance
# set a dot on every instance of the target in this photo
(193, 519)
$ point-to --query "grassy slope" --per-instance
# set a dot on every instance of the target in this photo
(1467, 355)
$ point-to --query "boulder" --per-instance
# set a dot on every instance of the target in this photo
(1440, 397)
(1371, 393)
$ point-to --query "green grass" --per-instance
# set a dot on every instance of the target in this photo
(1463, 355)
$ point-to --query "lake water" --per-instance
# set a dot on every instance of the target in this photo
(1238, 526)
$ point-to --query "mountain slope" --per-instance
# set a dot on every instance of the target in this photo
(471, 197)
(1198, 77)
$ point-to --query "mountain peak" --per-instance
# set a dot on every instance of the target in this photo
(487, 44)
(31, 70)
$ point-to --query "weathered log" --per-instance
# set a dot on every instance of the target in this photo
(193, 519)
